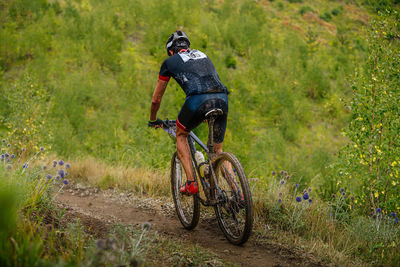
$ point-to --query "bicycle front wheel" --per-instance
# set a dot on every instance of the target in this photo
(235, 209)
(187, 207)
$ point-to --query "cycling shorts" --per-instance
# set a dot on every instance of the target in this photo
(195, 108)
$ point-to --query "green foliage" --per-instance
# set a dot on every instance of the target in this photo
(371, 160)
(326, 16)
(305, 9)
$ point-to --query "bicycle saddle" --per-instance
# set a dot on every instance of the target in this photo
(214, 113)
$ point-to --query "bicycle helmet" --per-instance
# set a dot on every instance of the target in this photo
(177, 41)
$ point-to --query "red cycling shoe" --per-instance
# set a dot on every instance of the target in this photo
(189, 189)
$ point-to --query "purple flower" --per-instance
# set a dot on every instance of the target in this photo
(306, 196)
(8, 145)
(42, 149)
(342, 190)
(378, 210)
(58, 177)
(279, 200)
(61, 162)
(273, 173)
(25, 165)
(12, 156)
(61, 173)
(310, 200)
(4, 140)
(6, 155)
(288, 177)
(396, 220)
(8, 160)
(48, 176)
(393, 214)
(298, 199)
(65, 181)
(54, 163)
(344, 193)
(282, 181)
(2, 156)
(67, 165)
(297, 185)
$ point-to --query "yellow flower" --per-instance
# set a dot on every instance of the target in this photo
(355, 201)
(394, 183)
(376, 194)
(355, 146)
(394, 163)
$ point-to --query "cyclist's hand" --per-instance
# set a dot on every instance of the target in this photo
(156, 124)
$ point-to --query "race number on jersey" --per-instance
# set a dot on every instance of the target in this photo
(192, 55)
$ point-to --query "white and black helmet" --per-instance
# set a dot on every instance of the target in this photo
(178, 40)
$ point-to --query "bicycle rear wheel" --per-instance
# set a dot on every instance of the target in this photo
(187, 207)
(235, 210)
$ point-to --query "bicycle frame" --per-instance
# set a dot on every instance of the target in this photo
(209, 189)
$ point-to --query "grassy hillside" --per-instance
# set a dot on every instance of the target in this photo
(95, 64)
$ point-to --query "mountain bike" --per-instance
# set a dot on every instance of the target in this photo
(224, 183)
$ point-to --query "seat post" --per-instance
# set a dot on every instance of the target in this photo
(211, 135)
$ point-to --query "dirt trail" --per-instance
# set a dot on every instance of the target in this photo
(110, 207)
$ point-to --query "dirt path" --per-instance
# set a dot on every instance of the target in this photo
(110, 207)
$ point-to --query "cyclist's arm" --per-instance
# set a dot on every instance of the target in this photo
(157, 96)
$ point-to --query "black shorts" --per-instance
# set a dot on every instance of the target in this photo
(195, 108)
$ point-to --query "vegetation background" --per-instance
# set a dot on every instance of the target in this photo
(77, 76)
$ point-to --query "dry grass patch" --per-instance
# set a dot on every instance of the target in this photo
(143, 181)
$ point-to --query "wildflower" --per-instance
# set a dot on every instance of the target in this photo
(342, 190)
(310, 200)
(333, 196)
(376, 194)
(393, 214)
(67, 165)
(42, 149)
(65, 181)
(344, 194)
(61, 162)
(280, 200)
(58, 177)
(44, 167)
(25, 166)
(9, 167)
(280, 194)
(146, 226)
(282, 181)
(12, 156)
(61, 173)
(297, 185)
(378, 210)
(306, 196)
(309, 189)
(23, 149)
(48, 176)
(4, 140)
(2, 156)
(6, 155)
(298, 199)
(396, 220)
(273, 173)
(352, 198)
(54, 163)
(8, 145)
(8, 160)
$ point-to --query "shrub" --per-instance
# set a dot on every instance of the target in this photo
(326, 16)
(372, 157)
(305, 9)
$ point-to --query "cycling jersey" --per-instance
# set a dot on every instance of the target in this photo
(194, 72)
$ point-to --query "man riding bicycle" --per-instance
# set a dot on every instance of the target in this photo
(196, 75)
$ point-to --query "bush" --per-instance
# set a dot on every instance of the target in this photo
(305, 9)
(372, 157)
(326, 16)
